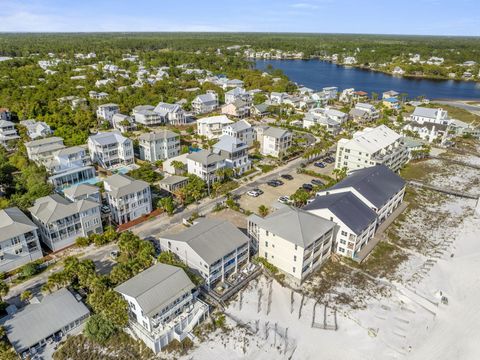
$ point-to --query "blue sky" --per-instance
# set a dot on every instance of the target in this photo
(422, 17)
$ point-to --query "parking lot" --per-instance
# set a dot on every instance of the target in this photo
(271, 194)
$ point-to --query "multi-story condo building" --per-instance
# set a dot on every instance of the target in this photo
(212, 127)
(106, 111)
(61, 221)
(145, 115)
(205, 103)
(36, 129)
(378, 187)
(241, 130)
(159, 145)
(127, 198)
(295, 241)
(163, 305)
(7, 132)
(171, 113)
(205, 165)
(355, 221)
(41, 151)
(214, 249)
(111, 149)
(69, 166)
(19, 243)
(369, 147)
(235, 153)
(273, 141)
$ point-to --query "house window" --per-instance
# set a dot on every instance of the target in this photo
(266, 232)
(295, 247)
(343, 242)
(294, 257)
(344, 233)
(266, 255)
(266, 243)
(293, 270)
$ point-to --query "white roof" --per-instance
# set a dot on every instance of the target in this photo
(219, 119)
(371, 139)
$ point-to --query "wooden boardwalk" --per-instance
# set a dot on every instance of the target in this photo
(443, 190)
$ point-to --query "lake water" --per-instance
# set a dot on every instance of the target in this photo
(317, 74)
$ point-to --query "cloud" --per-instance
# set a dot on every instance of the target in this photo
(307, 6)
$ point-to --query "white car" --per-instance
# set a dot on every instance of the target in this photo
(284, 200)
(254, 193)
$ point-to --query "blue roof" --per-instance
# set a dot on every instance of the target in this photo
(347, 208)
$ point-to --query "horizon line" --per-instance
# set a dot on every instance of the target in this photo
(232, 32)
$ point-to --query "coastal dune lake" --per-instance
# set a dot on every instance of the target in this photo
(317, 74)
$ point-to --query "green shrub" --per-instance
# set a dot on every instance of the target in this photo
(99, 329)
(83, 241)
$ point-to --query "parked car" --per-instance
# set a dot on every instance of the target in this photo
(284, 200)
(319, 164)
(329, 160)
(308, 187)
(317, 182)
(255, 192)
(287, 177)
(272, 183)
(279, 182)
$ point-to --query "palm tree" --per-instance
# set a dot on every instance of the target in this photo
(263, 210)
(178, 165)
(340, 173)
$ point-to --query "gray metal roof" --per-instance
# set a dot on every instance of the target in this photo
(156, 287)
(205, 157)
(240, 125)
(13, 222)
(158, 135)
(81, 189)
(376, 183)
(38, 321)
(110, 137)
(348, 208)
(173, 179)
(211, 239)
(44, 141)
(55, 207)
(122, 185)
(276, 132)
(295, 225)
(229, 144)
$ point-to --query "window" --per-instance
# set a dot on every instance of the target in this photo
(294, 257)
(293, 270)
(266, 232)
(266, 243)
(296, 247)
(343, 242)
(344, 233)
(342, 250)
(266, 255)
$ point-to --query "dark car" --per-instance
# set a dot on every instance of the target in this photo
(279, 182)
(319, 164)
(316, 182)
(287, 177)
(272, 183)
(329, 160)
(258, 191)
(308, 187)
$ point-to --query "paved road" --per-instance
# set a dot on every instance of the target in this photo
(101, 257)
(472, 108)
(163, 222)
